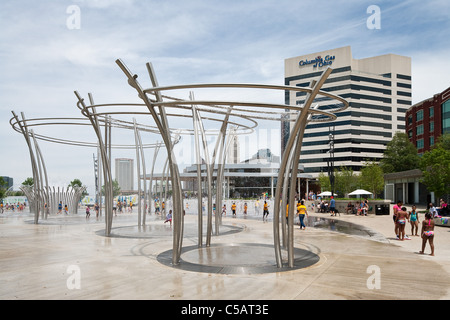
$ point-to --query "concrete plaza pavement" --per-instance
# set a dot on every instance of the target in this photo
(68, 257)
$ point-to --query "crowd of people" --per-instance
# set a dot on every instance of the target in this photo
(359, 208)
(401, 216)
(13, 207)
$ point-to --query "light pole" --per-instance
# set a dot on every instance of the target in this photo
(330, 161)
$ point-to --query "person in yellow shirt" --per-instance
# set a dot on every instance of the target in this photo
(301, 210)
(287, 212)
(266, 210)
(233, 208)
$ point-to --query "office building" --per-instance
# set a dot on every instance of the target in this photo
(124, 174)
(378, 90)
(233, 155)
(9, 182)
(427, 120)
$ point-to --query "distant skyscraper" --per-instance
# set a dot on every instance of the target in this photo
(9, 181)
(124, 173)
(234, 151)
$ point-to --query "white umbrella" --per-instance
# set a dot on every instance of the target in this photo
(359, 192)
(326, 194)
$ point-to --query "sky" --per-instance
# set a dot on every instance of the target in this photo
(51, 48)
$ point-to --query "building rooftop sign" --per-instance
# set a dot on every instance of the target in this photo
(318, 61)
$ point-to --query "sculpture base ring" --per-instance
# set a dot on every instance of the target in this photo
(242, 258)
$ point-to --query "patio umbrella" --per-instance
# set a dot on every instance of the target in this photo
(359, 192)
(326, 194)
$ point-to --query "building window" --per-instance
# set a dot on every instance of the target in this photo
(410, 119)
(431, 126)
(431, 141)
(419, 115)
(431, 112)
(419, 144)
(419, 130)
(410, 134)
(446, 117)
(446, 126)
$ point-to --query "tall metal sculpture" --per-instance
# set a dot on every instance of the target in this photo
(157, 104)
(37, 163)
(160, 118)
(289, 164)
(45, 199)
(289, 168)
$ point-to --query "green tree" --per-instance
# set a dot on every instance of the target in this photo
(372, 178)
(346, 180)
(28, 182)
(324, 182)
(400, 155)
(116, 188)
(78, 183)
(435, 166)
(3, 186)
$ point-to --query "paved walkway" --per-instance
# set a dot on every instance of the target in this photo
(69, 258)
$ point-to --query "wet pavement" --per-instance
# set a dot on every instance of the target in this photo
(347, 257)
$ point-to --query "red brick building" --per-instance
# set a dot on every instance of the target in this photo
(427, 120)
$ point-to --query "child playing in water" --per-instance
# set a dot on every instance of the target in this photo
(169, 217)
(402, 216)
(428, 233)
(414, 220)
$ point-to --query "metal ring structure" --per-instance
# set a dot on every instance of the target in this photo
(16, 124)
(216, 110)
(158, 106)
(42, 194)
(289, 164)
(94, 111)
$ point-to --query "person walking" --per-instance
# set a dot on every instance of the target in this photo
(301, 210)
(233, 209)
(333, 206)
(414, 220)
(427, 233)
(97, 209)
(266, 210)
(88, 212)
(397, 207)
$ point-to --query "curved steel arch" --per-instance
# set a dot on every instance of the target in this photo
(289, 165)
(41, 193)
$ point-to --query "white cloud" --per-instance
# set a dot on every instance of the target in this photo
(104, 3)
(430, 74)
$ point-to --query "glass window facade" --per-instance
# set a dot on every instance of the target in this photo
(446, 117)
(420, 144)
(419, 115)
(419, 129)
